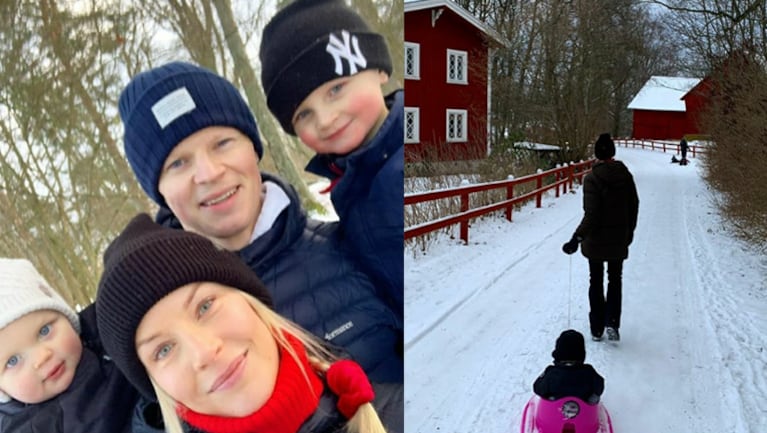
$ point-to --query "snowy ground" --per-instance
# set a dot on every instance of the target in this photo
(481, 319)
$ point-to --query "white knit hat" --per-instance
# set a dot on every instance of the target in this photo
(22, 291)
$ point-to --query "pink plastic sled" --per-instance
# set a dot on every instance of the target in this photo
(566, 415)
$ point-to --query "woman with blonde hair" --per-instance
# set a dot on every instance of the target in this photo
(191, 327)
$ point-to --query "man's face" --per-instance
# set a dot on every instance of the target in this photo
(340, 115)
(39, 355)
(212, 183)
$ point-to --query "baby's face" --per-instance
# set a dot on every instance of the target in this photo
(39, 353)
(342, 114)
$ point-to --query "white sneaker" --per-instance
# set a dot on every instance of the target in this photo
(596, 337)
(612, 334)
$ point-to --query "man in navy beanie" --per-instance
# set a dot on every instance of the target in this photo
(611, 206)
(322, 69)
(194, 147)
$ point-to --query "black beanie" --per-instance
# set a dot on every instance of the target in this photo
(570, 347)
(311, 42)
(604, 148)
(142, 265)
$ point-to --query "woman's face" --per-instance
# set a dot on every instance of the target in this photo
(207, 348)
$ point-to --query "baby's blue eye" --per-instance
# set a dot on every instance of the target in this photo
(45, 330)
(12, 361)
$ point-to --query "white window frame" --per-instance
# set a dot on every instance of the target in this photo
(461, 116)
(415, 113)
(453, 57)
(415, 72)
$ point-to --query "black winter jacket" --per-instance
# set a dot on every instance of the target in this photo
(570, 380)
(315, 282)
(368, 198)
(610, 206)
(99, 400)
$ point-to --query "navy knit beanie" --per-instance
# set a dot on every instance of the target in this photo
(309, 43)
(570, 347)
(142, 265)
(604, 148)
(162, 106)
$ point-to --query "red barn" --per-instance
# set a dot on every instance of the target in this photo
(447, 86)
(666, 108)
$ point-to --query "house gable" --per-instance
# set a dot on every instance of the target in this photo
(449, 94)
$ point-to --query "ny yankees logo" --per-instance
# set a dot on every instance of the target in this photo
(343, 51)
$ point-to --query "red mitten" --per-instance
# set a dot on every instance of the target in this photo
(347, 380)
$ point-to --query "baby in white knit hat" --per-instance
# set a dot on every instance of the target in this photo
(40, 346)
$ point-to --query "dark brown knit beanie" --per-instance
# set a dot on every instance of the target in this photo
(145, 263)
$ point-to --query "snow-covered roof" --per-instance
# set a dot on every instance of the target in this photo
(535, 146)
(663, 94)
(416, 5)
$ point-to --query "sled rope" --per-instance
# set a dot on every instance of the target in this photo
(569, 289)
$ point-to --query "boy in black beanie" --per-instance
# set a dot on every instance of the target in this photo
(322, 69)
(569, 376)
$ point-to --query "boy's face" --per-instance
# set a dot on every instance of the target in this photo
(342, 114)
(40, 352)
(212, 183)
(205, 346)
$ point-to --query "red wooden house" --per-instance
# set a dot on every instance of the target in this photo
(447, 86)
(667, 108)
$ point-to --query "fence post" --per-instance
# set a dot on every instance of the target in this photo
(465, 222)
(557, 177)
(538, 186)
(509, 196)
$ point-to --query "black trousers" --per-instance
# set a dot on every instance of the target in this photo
(605, 311)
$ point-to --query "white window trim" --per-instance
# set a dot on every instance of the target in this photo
(458, 53)
(464, 114)
(416, 125)
(416, 75)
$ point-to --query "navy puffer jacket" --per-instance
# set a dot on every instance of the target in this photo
(315, 282)
(98, 400)
(368, 198)
(611, 206)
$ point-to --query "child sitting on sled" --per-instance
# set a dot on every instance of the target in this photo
(569, 376)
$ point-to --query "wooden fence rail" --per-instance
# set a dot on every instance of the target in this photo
(693, 151)
(563, 178)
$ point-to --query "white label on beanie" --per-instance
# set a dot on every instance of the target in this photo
(172, 106)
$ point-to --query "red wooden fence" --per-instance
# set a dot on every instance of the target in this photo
(657, 145)
(563, 179)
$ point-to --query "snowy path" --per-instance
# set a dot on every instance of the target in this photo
(481, 320)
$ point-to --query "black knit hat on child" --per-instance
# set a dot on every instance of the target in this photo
(145, 263)
(570, 346)
(604, 148)
(162, 106)
(309, 43)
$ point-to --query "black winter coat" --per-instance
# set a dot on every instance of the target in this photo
(570, 380)
(315, 282)
(99, 400)
(368, 198)
(610, 206)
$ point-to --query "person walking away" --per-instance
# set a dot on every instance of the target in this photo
(683, 149)
(610, 209)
